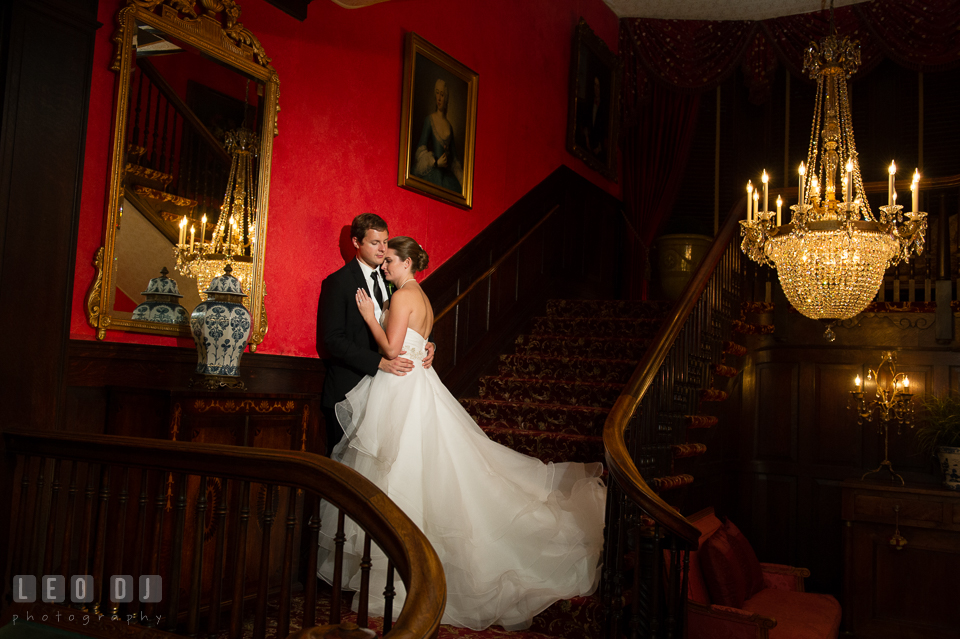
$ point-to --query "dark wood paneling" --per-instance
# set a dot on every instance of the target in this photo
(836, 437)
(126, 389)
(908, 593)
(824, 554)
(568, 256)
(773, 528)
(47, 55)
(778, 394)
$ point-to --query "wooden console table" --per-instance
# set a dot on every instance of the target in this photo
(910, 593)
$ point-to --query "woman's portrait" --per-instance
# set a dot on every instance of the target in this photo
(439, 115)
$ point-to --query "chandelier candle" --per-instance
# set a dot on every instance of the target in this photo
(766, 190)
(831, 257)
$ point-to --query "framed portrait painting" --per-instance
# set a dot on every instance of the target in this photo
(593, 117)
(438, 124)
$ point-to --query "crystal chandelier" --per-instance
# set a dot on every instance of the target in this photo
(831, 256)
(232, 239)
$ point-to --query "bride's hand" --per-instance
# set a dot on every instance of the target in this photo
(365, 304)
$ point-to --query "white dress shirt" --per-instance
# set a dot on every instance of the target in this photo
(378, 311)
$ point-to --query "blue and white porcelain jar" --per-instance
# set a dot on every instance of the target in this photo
(949, 457)
(220, 327)
(163, 302)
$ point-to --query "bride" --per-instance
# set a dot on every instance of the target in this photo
(514, 534)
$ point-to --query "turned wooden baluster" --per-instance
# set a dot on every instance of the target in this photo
(100, 543)
(176, 560)
(52, 518)
(146, 122)
(389, 592)
(196, 572)
(162, 166)
(240, 561)
(364, 594)
(135, 137)
(139, 541)
(313, 539)
(86, 528)
(219, 523)
(260, 620)
(33, 554)
(159, 507)
(155, 133)
(119, 537)
(21, 536)
(283, 621)
(338, 541)
(65, 563)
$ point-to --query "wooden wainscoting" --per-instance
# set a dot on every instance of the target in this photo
(574, 253)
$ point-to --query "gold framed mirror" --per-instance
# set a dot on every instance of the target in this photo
(194, 121)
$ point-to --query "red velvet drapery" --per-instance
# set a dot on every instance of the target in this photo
(667, 63)
(655, 148)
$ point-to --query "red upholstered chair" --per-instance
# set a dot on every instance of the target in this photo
(751, 600)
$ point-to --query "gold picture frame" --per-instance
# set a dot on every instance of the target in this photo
(173, 28)
(593, 117)
(438, 124)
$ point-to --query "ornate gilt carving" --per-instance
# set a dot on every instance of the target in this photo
(149, 174)
(94, 295)
(262, 406)
(212, 28)
(146, 191)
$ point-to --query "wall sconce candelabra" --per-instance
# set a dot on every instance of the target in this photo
(892, 402)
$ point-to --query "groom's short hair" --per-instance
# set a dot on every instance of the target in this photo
(364, 222)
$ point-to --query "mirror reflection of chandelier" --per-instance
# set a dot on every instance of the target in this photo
(831, 256)
(232, 240)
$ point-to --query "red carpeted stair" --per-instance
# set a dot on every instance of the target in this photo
(551, 397)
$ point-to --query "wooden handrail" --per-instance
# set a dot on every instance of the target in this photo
(188, 115)
(490, 271)
(399, 538)
(619, 462)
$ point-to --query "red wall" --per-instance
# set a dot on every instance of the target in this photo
(336, 156)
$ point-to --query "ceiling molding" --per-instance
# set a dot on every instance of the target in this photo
(718, 9)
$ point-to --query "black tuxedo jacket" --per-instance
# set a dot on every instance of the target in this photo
(344, 342)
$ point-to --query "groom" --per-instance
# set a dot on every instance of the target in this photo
(346, 345)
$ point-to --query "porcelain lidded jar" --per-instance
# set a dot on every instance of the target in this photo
(163, 302)
(220, 327)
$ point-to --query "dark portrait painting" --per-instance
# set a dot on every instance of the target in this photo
(593, 117)
(438, 124)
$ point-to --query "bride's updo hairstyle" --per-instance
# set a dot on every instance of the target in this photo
(407, 248)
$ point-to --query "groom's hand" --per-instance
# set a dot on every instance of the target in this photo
(399, 366)
(428, 360)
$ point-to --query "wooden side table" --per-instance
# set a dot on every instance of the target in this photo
(281, 421)
(910, 592)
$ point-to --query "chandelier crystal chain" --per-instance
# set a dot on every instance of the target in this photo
(831, 255)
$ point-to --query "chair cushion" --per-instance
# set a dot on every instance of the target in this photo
(723, 571)
(747, 558)
(799, 615)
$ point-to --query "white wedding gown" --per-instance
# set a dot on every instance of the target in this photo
(514, 534)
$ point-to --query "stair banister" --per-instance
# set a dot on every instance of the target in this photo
(619, 461)
(185, 111)
(399, 538)
(493, 268)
